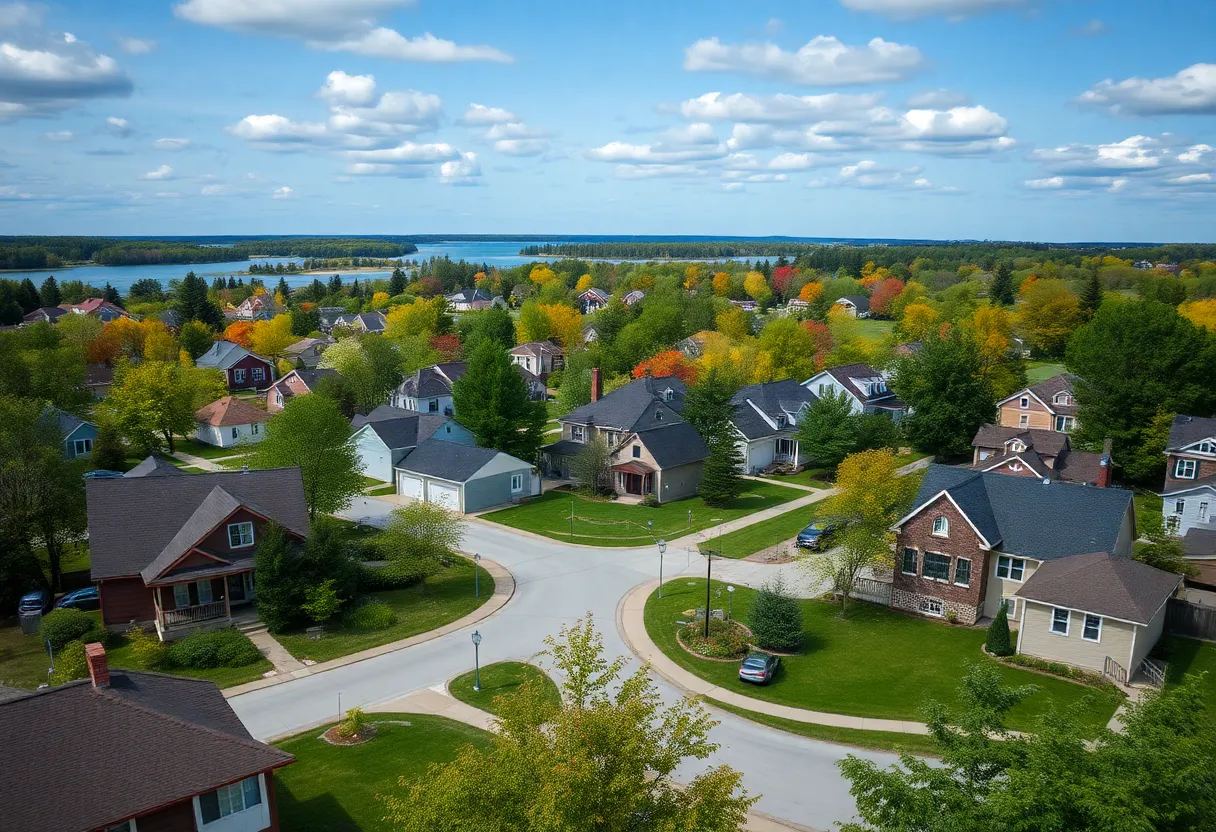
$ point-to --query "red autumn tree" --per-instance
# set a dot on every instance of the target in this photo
(822, 337)
(448, 347)
(669, 363)
(782, 277)
(883, 294)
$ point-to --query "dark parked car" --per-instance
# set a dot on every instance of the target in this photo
(816, 535)
(80, 599)
(38, 600)
(759, 668)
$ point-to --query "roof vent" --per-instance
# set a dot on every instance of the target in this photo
(1046, 481)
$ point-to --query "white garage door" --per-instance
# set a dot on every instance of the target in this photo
(447, 496)
(409, 487)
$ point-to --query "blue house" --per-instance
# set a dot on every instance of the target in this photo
(78, 435)
(384, 436)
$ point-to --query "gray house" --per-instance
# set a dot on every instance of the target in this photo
(464, 478)
(387, 434)
(78, 435)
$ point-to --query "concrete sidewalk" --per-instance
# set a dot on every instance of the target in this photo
(749, 520)
(632, 626)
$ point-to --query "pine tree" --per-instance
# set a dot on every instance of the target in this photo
(1000, 292)
(109, 451)
(720, 479)
(396, 283)
(998, 642)
(283, 289)
(27, 296)
(1091, 293)
(491, 399)
(192, 303)
(707, 408)
(111, 295)
(49, 294)
(335, 284)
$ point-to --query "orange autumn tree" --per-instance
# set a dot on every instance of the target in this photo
(822, 337)
(884, 292)
(238, 332)
(811, 292)
(669, 363)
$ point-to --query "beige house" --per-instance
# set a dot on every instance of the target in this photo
(1048, 405)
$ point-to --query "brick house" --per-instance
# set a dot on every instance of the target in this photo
(242, 369)
(1048, 405)
(973, 538)
(131, 751)
(177, 552)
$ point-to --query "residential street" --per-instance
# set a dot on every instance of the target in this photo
(556, 584)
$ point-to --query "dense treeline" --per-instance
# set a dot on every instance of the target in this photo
(52, 252)
(152, 253)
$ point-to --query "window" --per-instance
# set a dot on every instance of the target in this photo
(1017, 446)
(668, 394)
(658, 415)
(1059, 621)
(238, 376)
(780, 422)
(1064, 424)
(228, 800)
(181, 596)
(962, 572)
(1011, 606)
(1011, 568)
(203, 588)
(931, 606)
(236, 433)
(278, 398)
(125, 826)
(1092, 631)
(908, 566)
(1023, 420)
(637, 451)
(578, 433)
(1184, 469)
(432, 406)
(823, 389)
(941, 527)
(937, 567)
(257, 373)
(1179, 507)
(613, 438)
(1024, 402)
(1062, 398)
(785, 448)
(255, 428)
(1207, 447)
(240, 535)
(517, 482)
(1203, 512)
(82, 447)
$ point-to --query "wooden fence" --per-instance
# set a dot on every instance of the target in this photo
(1183, 618)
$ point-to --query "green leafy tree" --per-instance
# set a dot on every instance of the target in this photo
(1000, 291)
(494, 323)
(49, 294)
(998, 641)
(196, 338)
(421, 533)
(370, 367)
(312, 434)
(279, 588)
(1048, 315)
(707, 408)
(109, 450)
(321, 601)
(775, 618)
(828, 430)
(1162, 549)
(592, 466)
(491, 399)
(604, 759)
(19, 569)
(153, 401)
(948, 394)
(875, 431)
(396, 283)
(192, 303)
(707, 404)
(791, 348)
(303, 322)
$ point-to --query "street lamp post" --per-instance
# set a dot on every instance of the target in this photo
(662, 549)
(476, 661)
(476, 577)
(709, 568)
(730, 594)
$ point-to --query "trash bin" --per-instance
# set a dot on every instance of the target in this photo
(31, 622)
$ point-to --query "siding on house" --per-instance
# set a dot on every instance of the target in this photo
(495, 489)
(1036, 639)
(124, 600)
(678, 482)
(222, 437)
(248, 364)
(375, 458)
(1037, 415)
(168, 600)
(85, 431)
(1146, 638)
(1001, 588)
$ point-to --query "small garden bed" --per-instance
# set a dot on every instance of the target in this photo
(1062, 671)
(728, 641)
(501, 679)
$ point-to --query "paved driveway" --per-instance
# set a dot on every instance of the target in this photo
(557, 584)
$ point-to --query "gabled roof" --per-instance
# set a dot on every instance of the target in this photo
(1046, 442)
(223, 354)
(633, 297)
(432, 382)
(1102, 584)
(154, 466)
(469, 296)
(131, 521)
(1022, 516)
(305, 344)
(214, 509)
(96, 375)
(372, 321)
(594, 294)
(145, 741)
(309, 378)
(632, 407)
(1187, 430)
(406, 431)
(860, 302)
(537, 348)
(230, 411)
(1183, 486)
(44, 313)
(66, 422)
(1045, 390)
(449, 460)
(673, 444)
(845, 375)
(381, 413)
(170, 318)
(773, 399)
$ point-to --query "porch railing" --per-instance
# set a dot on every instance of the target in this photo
(1154, 671)
(191, 615)
(1112, 669)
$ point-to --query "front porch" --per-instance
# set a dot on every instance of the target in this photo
(203, 604)
(633, 479)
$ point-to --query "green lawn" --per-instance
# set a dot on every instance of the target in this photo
(201, 449)
(875, 663)
(874, 329)
(1037, 371)
(751, 539)
(1194, 656)
(191, 469)
(813, 477)
(910, 457)
(333, 788)
(368, 482)
(501, 679)
(1148, 510)
(610, 523)
(439, 600)
(382, 491)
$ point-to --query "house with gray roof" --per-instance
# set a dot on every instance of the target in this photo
(973, 538)
(463, 477)
(78, 435)
(538, 357)
(429, 390)
(1048, 405)
(176, 553)
(154, 466)
(1189, 495)
(467, 300)
(856, 305)
(296, 383)
(865, 387)
(1029, 452)
(242, 369)
(383, 437)
(765, 417)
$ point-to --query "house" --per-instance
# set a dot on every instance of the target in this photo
(153, 466)
(230, 421)
(1190, 483)
(306, 353)
(463, 477)
(97, 379)
(329, 315)
(430, 389)
(856, 305)
(1028, 452)
(590, 334)
(257, 308)
(364, 321)
(384, 436)
(177, 552)
(136, 751)
(865, 386)
(295, 383)
(539, 357)
(746, 305)
(592, 300)
(973, 538)
(44, 314)
(97, 307)
(171, 318)
(765, 417)
(1019, 346)
(467, 300)
(909, 348)
(1048, 405)
(78, 435)
(1092, 610)
(243, 369)
(654, 451)
(633, 297)
(797, 305)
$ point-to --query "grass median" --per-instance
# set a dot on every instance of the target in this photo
(501, 679)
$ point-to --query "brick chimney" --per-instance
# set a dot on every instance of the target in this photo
(99, 670)
(597, 388)
(1104, 465)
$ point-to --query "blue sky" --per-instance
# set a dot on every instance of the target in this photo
(990, 119)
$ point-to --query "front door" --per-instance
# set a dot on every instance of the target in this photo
(240, 587)
(634, 483)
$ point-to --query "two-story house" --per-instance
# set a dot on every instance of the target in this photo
(856, 305)
(295, 383)
(242, 369)
(1029, 452)
(429, 390)
(765, 417)
(468, 300)
(592, 300)
(257, 308)
(1048, 405)
(1189, 496)
(866, 388)
(539, 357)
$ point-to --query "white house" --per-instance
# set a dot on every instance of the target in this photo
(538, 357)
(384, 436)
(593, 299)
(765, 417)
(230, 421)
(466, 300)
(865, 386)
(856, 305)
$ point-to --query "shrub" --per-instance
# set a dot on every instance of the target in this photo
(727, 640)
(322, 601)
(148, 651)
(354, 723)
(776, 618)
(998, 641)
(63, 625)
(651, 500)
(394, 575)
(70, 663)
(218, 648)
(1065, 671)
(372, 614)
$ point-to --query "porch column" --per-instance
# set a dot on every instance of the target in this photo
(227, 598)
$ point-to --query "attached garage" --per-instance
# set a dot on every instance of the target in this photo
(464, 478)
(443, 494)
(409, 486)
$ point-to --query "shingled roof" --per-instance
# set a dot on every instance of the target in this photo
(1187, 430)
(146, 741)
(230, 411)
(154, 466)
(406, 431)
(773, 399)
(1102, 584)
(674, 444)
(631, 407)
(448, 460)
(223, 354)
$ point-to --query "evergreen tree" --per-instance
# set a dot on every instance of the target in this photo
(721, 482)
(491, 399)
(707, 408)
(335, 284)
(219, 284)
(998, 641)
(192, 303)
(231, 282)
(283, 289)
(396, 283)
(1000, 291)
(109, 451)
(775, 618)
(829, 430)
(111, 295)
(27, 296)
(49, 294)
(1091, 293)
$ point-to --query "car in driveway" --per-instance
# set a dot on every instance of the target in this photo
(80, 599)
(37, 600)
(816, 535)
(759, 668)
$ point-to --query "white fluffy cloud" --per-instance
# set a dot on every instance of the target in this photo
(462, 171)
(118, 127)
(823, 61)
(653, 154)
(406, 153)
(171, 144)
(479, 114)
(161, 173)
(274, 129)
(1153, 166)
(1137, 154)
(59, 136)
(925, 8)
(355, 90)
(776, 109)
(1190, 91)
(871, 175)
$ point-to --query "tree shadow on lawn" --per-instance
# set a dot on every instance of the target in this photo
(322, 813)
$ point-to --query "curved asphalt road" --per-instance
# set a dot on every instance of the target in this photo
(555, 585)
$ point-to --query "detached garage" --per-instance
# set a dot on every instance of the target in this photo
(464, 478)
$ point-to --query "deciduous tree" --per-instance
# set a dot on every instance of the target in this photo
(196, 338)
(827, 431)
(668, 363)
(1048, 315)
(947, 392)
(592, 466)
(270, 338)
(790, 347)
(153, 401)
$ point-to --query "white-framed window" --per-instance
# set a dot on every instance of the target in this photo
(257, 373)
(1017, 446)
(228, 800)
(931, 606)
(82, 447)
(1059, 621)
(578, 433)
(941, 527)
(181, 596)
(1203, 512)
(823, 388)
(1023, 420)
(1184, 469)
(962, 571)
(1179, 507)
(1207, 447)
(908, 563)
(1011, 606)
(780, 421)
(240, 535)
(1024, 402)
(936, 567)
(278, 398)
(1092, 631)
(517, 482)
(1015, 467)
(238, 376)
(668, 394)
(1064, 424)
(1010, 568)
(1062, 398)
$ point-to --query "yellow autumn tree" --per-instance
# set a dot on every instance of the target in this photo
(542, 275)
(379, 300)
(756, 286)
(692, 276)
(811, 292)
(159, 343)
(422, 317)
(733, 323)
(992, 329)
(721, 284)
(270, 338)
(1200, 312)
(565, 324)
(584, 283)
(919, 321)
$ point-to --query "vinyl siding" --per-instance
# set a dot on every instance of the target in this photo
(375, 458)
(1146, 639)
(1036, 639)
(222, 437)
(1037, 415)
(495, 489)
(679, 482)
(999, 588)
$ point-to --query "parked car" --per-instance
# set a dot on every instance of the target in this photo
(80, 599)
(816, 535)
(38, 600)
(759, 668)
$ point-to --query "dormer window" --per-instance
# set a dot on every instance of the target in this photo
(1024, 402)
(1207, 447)
(658, 415)
(240, 535)
(780, 421)
(941, 527)
(668, 394)
(1062, 398)
(1017, 446)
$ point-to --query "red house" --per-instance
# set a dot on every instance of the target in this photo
(176, 551)
(243, 369)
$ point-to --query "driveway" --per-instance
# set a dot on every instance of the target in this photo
(556, 584)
